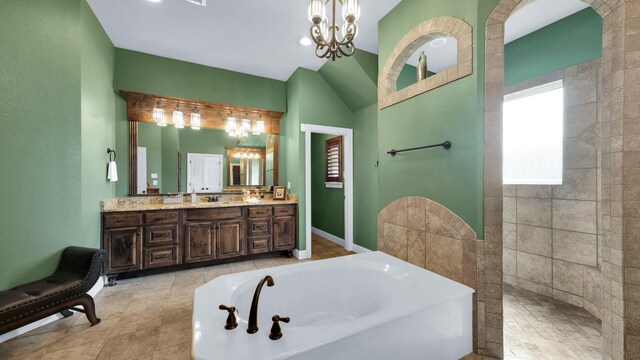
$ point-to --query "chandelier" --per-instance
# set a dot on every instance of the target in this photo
(325, 35)
(241, 130)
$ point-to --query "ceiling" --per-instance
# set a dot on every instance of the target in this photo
(257, 37)
(535, 15)
(261, 37)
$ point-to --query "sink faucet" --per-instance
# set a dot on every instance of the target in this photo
(253, 314)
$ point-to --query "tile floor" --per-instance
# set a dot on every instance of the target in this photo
(150, 318)
(540, 328)
(142, 318)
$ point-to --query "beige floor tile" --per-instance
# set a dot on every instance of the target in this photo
(130, 345)
(538, 327)
(143, 318)
(178, 352)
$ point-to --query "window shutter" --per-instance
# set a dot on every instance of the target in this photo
(334, 160)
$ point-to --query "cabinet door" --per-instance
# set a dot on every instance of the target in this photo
(231, 238)
(284, 232)
(199, 242)
(125, 249)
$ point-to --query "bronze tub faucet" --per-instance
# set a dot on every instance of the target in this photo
(253, 314)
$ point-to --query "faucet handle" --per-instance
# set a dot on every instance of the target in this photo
(232, 322)
(276, 331)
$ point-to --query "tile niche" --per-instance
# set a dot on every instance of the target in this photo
(438, 27)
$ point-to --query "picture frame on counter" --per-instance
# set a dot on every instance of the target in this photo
(279, 193)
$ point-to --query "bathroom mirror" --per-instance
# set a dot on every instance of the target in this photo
(171, 160)
(436, 56)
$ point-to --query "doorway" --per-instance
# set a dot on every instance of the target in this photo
(551, 254)
(346, 136)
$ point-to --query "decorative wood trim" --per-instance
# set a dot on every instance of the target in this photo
(133, 157)
(276, 155)
(214, 116)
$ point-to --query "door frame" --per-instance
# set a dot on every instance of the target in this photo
(347, 182)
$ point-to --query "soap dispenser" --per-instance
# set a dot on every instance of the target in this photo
(194, 197)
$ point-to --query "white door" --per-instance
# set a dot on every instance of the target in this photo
(142, 170)
(204, 173)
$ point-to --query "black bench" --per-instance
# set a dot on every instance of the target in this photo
(78, 271)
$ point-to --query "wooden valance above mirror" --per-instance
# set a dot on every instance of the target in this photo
(214, 116)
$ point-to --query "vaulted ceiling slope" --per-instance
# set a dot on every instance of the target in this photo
(257, 37)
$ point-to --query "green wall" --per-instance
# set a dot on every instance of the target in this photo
(55, 81)
(161, 76)
(354, 79)
(327, 204)
(452, 112)
(97, 127)
(311, 100)
(570, 41)
(365, 178)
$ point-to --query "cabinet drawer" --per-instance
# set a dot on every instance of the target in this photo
(164, 217)
(262, 211)
(161, 256)
(214, 214)
(259, 226)
(284, 210)
(122, 220)
(260, 244)
(161, 235)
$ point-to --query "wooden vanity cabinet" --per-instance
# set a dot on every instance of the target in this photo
(122, 238)
(161, 239)
(154, 239)
(200, 239)
(124, 246)
(284, 228)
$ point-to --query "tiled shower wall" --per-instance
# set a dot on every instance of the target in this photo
(551, 234)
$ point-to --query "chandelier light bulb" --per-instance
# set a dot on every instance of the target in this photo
(317, 11)
(351, 10)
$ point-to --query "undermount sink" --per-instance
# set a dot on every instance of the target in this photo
(252, 201)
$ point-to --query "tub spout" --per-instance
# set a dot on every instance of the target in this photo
(253, 315)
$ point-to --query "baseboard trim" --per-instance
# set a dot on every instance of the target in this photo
(34, 325)
(334, 239)
(301, 254)
(360, 249)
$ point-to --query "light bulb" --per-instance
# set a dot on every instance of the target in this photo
(351, 10)
(178, 119)
(231, 123)
(158, 116)
(317, 11)
(196, 121)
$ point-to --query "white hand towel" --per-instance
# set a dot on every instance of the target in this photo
(112, 173)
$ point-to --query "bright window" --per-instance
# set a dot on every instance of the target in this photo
(532, 135)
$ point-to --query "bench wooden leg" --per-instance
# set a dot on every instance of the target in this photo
(86, 301)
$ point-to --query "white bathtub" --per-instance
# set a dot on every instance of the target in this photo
(366, 306)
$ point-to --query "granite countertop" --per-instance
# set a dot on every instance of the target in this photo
(124, 205)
